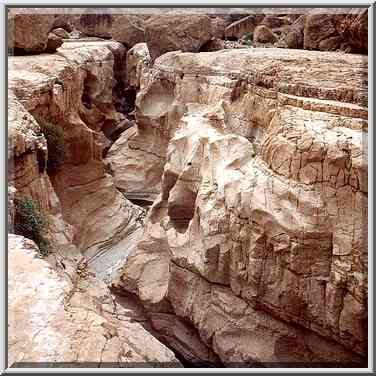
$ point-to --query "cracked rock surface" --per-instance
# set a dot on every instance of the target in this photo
(258, 236)
(60, 311)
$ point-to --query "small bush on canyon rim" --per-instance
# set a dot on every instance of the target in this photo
(29, 222)
(55, 144)
(248, 38)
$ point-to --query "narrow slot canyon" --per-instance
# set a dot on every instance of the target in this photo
(199, 207)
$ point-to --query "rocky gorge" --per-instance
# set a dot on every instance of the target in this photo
(208, 201)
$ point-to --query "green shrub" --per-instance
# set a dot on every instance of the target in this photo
(55, 144)
(248, 37)
(29, 222)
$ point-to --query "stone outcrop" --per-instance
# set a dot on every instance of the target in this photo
(128, 30)
(258, 234)
(28, 32)
(95, 25)
(174, 32)
(58, 312)
(73, 89)
(346, 31)
(263, 34)
(254, 161)
(53, 43)
(312, 29)
(294, 37)
(137, 61)
(27, 160)
(354, 27)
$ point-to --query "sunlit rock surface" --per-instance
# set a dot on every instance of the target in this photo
(259, 231)
(73, 89)
(58, 312)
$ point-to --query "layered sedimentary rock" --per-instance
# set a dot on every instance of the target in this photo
(346, 30)
(27, 173)
(126, 29)
(258, 236)
(73, 90)
(59, 313)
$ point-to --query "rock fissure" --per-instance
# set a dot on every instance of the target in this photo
(210, 207)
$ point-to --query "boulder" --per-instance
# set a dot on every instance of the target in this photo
(263, 34)
(272, 21)
(62, 33)
(172, 33)
(218, 27)
(294, 37)
(318, 26)
(128, 29)
(28, 33)
(54, 42)
(354, 30)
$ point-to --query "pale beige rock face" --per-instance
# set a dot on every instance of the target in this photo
(27, 157)
(61, 314)
(138, 156)
(263, 207)
(137, 60)
(74, 89)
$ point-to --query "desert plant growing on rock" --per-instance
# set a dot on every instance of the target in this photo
(30, 222)
(55, 144)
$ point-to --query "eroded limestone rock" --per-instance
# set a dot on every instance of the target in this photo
(73, 89)
(173, 32)
(263, 201)
(58, 312)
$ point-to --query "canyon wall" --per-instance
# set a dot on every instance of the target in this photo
(258, 235)
(254, 162)
(59, 309)
(59, 313)
(73, 90)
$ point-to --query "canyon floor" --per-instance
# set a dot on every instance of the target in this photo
(181, 197)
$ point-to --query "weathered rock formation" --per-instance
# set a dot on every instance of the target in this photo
(28, 32)
(128, 30)
(314, 29)
(59, 313)
(243, 26)
(347, 30)
(73, 89)
(258, 236)
(263, 34)
(173, 32)
(254, 162)
(27, 160)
